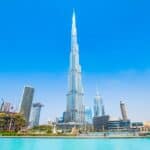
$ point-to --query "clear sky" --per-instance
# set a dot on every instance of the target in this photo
(114, 41)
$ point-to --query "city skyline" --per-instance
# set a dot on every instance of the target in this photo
(114, 55)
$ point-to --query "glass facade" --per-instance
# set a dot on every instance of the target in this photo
(75, 108)
(26, 103)
(35, 114)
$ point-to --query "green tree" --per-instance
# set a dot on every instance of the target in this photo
(11, 121)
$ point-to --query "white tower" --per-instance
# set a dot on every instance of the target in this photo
(75, 108)
(98, 106)
(123, 111)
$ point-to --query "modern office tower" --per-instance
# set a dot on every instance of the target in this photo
(26, 103)
(2, 105)
(103, 110)
(88, 115)
(75, 107)
(123, 111)
(6, 107)
(98, 106)
(35, 114)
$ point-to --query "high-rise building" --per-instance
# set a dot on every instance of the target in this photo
(123, 110)
(2, 105)
(98, 106)
(88, 115)
(26, 103)
(103, 110)
(6, 107)
(35, 114)
(75, 107)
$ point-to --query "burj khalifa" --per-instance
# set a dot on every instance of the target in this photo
(75, 108)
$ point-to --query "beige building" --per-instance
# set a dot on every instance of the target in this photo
(147, 125)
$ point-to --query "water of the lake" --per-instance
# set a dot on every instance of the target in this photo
(74, 144)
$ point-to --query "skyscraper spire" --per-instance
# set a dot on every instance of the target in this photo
(75, 108)
(74, 30)
(97, 91)
(74, 42)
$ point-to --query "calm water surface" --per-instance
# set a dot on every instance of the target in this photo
(73, 144)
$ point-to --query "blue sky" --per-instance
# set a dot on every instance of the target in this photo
(114, 41)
